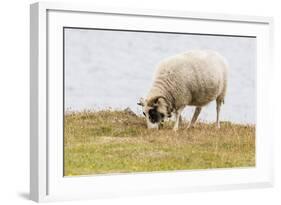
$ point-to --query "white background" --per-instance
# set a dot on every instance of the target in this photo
(14, 103)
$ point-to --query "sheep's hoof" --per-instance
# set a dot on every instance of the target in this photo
(189, 126)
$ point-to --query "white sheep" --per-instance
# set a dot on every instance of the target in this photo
(193, 78)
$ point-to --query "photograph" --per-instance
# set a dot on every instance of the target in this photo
(138, 101)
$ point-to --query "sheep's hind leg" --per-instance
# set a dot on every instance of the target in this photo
(195, 116)
(218, 112)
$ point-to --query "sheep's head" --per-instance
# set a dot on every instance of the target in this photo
(155, 111)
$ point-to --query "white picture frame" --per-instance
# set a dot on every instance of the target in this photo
(46, 102)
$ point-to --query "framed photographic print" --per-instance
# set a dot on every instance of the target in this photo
(129, 102)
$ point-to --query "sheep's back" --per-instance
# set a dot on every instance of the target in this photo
(195, 77)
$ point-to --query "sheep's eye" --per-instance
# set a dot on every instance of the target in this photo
(143, 113)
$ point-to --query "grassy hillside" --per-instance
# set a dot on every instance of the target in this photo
(118, 142)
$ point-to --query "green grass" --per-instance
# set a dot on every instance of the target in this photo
(119, 142)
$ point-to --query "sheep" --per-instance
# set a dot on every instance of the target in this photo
(194, 78)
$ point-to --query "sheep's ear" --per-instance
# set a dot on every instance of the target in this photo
(141, 102)
(157, 101)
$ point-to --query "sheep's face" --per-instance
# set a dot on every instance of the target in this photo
(155, 111)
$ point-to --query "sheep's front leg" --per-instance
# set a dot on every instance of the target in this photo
(178, 119)
(195, 116)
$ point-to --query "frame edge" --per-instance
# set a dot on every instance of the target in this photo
(96, 8)
(38, 103)
(34, 36)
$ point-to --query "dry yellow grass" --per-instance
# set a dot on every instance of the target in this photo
(118, 142)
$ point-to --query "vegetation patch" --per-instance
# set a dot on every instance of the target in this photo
(118, 142)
